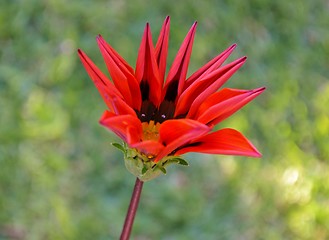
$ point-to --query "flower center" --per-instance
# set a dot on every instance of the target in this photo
(151, 131)
(149, 112)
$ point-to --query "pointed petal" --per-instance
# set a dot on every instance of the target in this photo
(111, 96)
(224, 103)
(147, 72)
(216, 80)
(149, 147)
(161, 48)
(116, 55)
(177, 132)
(95, 74)
(212, 65)
(225, 141)
(178, 70)
(121, 74)
(127, 127)
(194, 95)
(118, 77)
(118, 105)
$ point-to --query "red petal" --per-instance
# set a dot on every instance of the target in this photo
(119, 60)
(210, 66)
(118, 105)
(147, 68)
(194, 95)
(179, 67)
(177, 132)
(95, 74)
(224, 103)
(111, 96)
(148, 147)
(161, 48)
(225, 141)
(217, 79)
(121, 74)
(127, 127)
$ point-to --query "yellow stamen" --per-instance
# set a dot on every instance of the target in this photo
(151, 131)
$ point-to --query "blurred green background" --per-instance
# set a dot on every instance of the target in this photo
(61, 179)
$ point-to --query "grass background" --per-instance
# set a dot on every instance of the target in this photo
(61, 179)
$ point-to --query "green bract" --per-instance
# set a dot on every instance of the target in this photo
(143, 167)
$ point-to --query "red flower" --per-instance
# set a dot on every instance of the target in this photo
(158, 119)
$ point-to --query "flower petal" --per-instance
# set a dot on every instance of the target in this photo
(121, 74)
(95, 74)
(177, 73)
(194, 95)
(119, 60)
(224, 103)
(127, 127)
(149, 147)
(111, 96)
(177, 132)
(161, 48)
(119, 106)
(212, 65)
(225, 141)
(147, 72)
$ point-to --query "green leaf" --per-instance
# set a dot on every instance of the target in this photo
(180, 161)
(119, 146)
(162, 169)
(144, 170)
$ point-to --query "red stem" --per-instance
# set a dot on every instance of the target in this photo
(125, 234)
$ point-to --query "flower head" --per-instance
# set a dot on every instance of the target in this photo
(160, 117)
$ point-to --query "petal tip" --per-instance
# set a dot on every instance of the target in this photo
(233, 46)
(81, 54)
(167, 19)
(258, 90)
(255, 153)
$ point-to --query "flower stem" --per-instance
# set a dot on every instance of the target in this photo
(125, 234)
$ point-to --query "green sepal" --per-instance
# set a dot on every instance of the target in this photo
(179, 161)
(140, 166)
(161, 168)
(145, 168)
(119, 146)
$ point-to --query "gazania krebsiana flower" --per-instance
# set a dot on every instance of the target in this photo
(159, 120)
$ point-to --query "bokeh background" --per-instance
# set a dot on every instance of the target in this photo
(60, 178)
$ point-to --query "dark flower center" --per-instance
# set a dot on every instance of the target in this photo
(149, 112)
